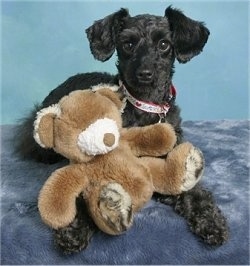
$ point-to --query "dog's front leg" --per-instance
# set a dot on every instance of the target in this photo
(77, 235)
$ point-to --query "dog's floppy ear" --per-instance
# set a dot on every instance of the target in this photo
(189, 36)
(44, 126)
(101, 35)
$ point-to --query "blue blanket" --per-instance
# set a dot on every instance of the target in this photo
(159, 235)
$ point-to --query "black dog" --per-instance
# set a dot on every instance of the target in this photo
(147, 47)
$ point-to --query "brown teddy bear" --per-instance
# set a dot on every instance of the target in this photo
(116, 170)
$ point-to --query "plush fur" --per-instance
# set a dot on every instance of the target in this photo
(117, 181)
(147, 47)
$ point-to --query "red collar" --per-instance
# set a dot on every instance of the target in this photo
(150, 107)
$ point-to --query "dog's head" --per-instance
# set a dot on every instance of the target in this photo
(147, 44)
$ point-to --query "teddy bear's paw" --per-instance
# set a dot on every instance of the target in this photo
(116, 207)
(194, 167)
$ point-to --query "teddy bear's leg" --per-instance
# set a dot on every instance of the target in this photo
(179, 172)
(118, 200)
(115, 207)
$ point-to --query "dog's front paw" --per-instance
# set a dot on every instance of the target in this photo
(77, 235)
(116, 208)
(204, 218)
(194, 167)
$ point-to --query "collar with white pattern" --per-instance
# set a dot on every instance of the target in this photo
(149, 107)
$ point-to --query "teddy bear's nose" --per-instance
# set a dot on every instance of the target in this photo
(109, 139)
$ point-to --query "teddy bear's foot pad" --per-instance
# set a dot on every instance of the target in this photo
(116, 207)
(194, 169)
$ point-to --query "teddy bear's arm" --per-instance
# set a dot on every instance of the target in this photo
(57, 197)
(178, 172)
(153, 140)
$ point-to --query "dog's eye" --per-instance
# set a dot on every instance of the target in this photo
(128, 46)
(163, 45)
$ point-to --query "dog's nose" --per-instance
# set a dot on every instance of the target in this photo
(144, 75)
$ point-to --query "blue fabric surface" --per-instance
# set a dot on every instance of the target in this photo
(158, 236)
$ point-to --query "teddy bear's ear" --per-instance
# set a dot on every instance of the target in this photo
(114, 96)
(44, 126)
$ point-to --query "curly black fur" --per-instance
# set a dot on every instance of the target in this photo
(147, 47)
(78, 234)
(204, 218)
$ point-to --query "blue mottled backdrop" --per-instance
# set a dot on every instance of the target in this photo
(43, 43)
